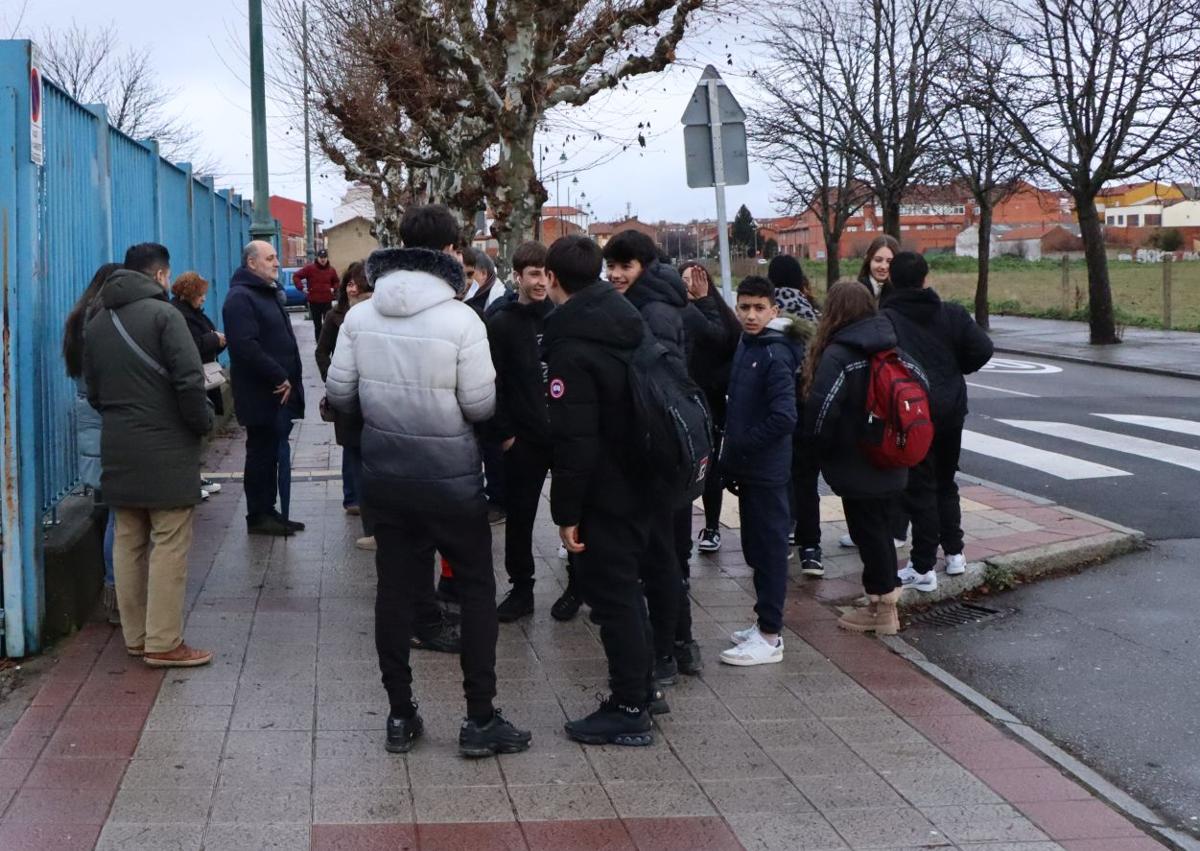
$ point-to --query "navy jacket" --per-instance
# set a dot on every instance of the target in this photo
(262, 350)
(760, 417)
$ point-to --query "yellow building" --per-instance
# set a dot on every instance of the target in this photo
(349, 241)
(1138, 194)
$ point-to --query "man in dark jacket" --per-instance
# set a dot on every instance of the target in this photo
(144, 376)
(659, 294)
(945, 340)
(598, 493)
(521, 426)
(319, 282)
(267, 389)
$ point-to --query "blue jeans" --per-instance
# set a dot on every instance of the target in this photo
(110, 531)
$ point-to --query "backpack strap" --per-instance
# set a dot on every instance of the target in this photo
(137, 350)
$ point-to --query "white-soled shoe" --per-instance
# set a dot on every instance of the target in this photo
(754, 651)
(744, 635)
(846, 541)
(956, 565)
(909, 578)
(562, 552)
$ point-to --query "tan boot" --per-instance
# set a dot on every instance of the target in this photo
(878, 616)
(860, 620)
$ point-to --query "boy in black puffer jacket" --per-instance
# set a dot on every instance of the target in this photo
(945, 340)
(756, 462)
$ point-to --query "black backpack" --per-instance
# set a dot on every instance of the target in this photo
(672, 424)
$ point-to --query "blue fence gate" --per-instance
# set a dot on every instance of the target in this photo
(74, 194)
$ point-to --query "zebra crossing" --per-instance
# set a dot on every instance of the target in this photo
(1063, 465)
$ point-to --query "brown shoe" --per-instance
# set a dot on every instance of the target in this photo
(181, 657)
(138, 651)
(878, 616)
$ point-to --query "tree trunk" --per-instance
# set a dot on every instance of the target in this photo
(891, 216)
(985, 262)
(1100, 307)
(833, 259)
(516, 194)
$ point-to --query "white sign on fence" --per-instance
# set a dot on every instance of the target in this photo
(37, 148)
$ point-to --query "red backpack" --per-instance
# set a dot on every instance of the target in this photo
(899, 425)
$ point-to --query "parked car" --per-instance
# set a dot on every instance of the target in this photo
(295, 296)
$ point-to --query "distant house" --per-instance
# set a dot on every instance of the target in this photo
(553, 228)
(290, 216)
(634, 223)
(1036, 242)
(349, 241)
(601, 232)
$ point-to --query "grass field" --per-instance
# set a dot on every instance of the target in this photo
(1023, 288)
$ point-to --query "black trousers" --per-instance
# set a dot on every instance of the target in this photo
(804, 498)
(931, 499)
(607, 576)
(317, 311)
(493, 473)
(683, 552)
(661, 578)
(869, 521)
(714, 487)
(261, 471)
(765, 521)
(525, 468)
(404, 570)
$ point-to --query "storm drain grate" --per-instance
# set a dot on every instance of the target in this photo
(958, 614)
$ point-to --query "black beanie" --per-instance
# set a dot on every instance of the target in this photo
(785, 271)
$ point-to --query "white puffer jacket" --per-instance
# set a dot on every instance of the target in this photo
(416, 363)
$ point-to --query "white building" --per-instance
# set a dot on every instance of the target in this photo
(356, 202)
(1181, 214)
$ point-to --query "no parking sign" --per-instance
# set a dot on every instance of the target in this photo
(37, 148)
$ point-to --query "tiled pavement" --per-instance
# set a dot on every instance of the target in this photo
(278, 743)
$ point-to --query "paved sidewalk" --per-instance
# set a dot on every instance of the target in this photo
(278, 744)
(1175, 353)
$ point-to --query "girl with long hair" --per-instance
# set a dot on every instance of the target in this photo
(836, 378)
(875, 273)
(87, 418)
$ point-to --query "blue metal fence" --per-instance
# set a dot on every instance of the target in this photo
(96, 193)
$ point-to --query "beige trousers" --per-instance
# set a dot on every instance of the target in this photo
(150, 561)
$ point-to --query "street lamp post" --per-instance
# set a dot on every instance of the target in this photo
(261, 226)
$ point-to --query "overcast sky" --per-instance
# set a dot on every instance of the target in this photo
(199, 50)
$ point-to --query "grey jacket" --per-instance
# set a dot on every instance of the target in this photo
(150, 440)
(417, 364)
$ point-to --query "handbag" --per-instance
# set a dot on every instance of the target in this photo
(214, 376)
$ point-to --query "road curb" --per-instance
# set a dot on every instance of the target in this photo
(1150, 370)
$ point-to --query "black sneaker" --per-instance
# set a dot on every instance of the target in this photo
(496, 736)
(268, 524)
(566, 607)
(447, 589)
(516, 604)
(710, 540)
(613, 724)
(294, 525)
(441, 639)
(402, 733)
(656, 702)
(687, 658)
(665, 670)
(810, 562)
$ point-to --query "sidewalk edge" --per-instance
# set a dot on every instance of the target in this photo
(1010, 349)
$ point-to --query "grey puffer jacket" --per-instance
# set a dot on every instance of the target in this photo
(417, 364)
(150, 441)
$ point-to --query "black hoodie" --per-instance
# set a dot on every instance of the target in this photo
(515, 337)
(660, 296)
(945, 340)
(835, 412)
(588, 342)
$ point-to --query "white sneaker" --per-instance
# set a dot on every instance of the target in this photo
(367, 543)
(900, 542)
(846, 541)
(562, 552)
(210, 486)
(956, 565)
(909, 578)
(755, 651)
(744, 635)
(203, 493)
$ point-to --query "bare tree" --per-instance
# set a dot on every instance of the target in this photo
(884, 58)
(92, 68)
(1101, 90)
(976, 142)
(803, 138)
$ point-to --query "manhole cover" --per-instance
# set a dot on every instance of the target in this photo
(958, 614)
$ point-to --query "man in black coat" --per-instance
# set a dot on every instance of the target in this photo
(945, 340)
(598, 493)
(268, 393)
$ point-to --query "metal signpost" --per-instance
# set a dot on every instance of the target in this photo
(714, 140)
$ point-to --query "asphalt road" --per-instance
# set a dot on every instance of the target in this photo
(1105, 663)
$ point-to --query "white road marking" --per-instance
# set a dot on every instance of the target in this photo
(1052, 463)
(1152, 449)
(1020, 367)
(1002, 390)
(1163, 423)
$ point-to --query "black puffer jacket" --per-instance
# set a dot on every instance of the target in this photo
(208, 343)
(587, 342)
(347, 425)
(835, 412)
(515, 336)
(711, 350)
(660, 296)
(945, 340)
(153, 422)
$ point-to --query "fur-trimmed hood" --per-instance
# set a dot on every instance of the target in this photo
(410, 280)
(797, 330)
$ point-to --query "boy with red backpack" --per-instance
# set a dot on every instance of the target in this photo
(945, 340)
(867, 410)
